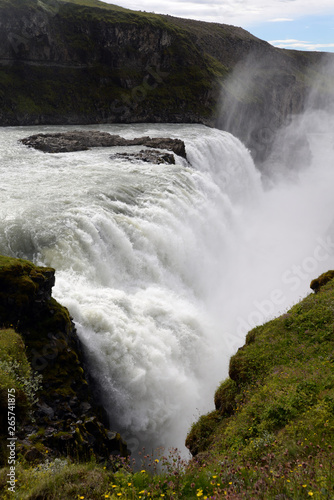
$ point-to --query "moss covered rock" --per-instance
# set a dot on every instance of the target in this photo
(318, 283)
(225, 397)
(16, 394)
(39, 337)
(201, 434)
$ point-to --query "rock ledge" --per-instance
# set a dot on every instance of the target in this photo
(65, 142)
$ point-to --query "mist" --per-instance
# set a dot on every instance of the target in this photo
(287, 237)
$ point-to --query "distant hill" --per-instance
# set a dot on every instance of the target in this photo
(91, 62)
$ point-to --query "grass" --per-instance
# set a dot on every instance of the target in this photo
(170, 478)
(18, 384)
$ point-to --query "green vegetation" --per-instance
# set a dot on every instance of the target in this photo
(275, 412)
(17, 380)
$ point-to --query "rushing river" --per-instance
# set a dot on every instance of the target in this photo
(164, 268)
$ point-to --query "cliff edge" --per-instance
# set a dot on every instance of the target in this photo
(42, 377)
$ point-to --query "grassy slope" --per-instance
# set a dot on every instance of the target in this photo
(16, 381)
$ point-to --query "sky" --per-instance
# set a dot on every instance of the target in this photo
(291, 24)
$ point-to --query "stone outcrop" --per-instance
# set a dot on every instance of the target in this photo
(321, 281)
(67, 420)
(82, 140)
(148, 156)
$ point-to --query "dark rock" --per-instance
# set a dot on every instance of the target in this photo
(175, 145)
(33, 455)
(82, 140)
(53, 349)
(44, 409)
(29, 429)
(85, 407)
(50, 431)
(149, 156)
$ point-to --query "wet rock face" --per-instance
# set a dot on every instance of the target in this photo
(82, 140)
(67, 419)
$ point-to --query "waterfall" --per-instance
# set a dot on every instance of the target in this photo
(164, 268)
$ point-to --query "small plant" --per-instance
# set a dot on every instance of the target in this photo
(52, 466)
(30, 383)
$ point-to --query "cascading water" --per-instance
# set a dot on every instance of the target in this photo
(165, 267)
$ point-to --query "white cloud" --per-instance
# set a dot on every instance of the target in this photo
(301, 45)
(280, 20)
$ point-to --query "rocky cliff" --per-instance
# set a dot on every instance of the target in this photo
(41, 364)
(91, 62)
